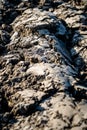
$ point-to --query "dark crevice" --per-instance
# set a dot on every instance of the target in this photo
(78, 93)
(4, 104)
(6, 117)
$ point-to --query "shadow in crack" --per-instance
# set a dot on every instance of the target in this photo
(5, 115)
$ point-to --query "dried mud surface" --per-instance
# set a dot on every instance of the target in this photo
(43, 65)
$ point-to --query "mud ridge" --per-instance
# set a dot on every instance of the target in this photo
(43, 65)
